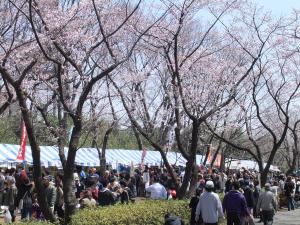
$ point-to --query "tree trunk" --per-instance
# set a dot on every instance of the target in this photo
(68, 179)
(35, 151)
(263, 175)
(293, 166)
(295, 153)
(194, 180)
(103, 152)
(206, 155)
(190, 162)
(138, 138)
(222, 167)
(62, 134)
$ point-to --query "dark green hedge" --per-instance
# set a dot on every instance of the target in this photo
(142, 213)
(32, 222)
(148, 212)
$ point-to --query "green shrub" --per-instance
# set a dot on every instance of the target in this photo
(150, 212)
(142, 213)
(32, 222)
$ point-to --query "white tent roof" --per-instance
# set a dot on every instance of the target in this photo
(89, 157)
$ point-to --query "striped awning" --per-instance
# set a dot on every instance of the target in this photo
(89, 156)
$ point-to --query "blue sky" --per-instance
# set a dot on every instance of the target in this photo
(279, 7)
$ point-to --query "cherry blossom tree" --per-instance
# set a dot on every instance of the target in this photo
(63, 50)
(200, 68)
(269, 100)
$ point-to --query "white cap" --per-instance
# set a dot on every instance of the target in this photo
(209, 184)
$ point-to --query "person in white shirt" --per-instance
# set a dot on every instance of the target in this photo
(209, 206)
(223, 180)
(146, 177)
(157, 190)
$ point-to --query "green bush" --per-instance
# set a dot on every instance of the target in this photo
(142, 213)
(33, 222)
(150, 212)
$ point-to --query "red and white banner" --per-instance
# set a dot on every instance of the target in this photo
(217, 162)
(22, 150)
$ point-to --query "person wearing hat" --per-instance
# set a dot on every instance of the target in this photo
(267, 203)
(50, 191)
(9, 195)
(209, 206)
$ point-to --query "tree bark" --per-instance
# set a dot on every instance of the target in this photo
(103, 152)
(68, 179)
(194, 180)
(35, 150)
(190, 162)
(206, 155)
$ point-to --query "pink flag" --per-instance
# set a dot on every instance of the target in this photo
(144, 153)
(22, 150)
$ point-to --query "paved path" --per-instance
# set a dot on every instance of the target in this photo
(286, 218)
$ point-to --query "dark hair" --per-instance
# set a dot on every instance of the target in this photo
(156, 179)
(123, 183)
(236, 185)
(60, 175)
(104, 183)
(146, 168)
(132, 180)
(127, 176)
(26, 180)
(198, 191)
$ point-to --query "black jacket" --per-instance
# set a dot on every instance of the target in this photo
(289, 188)
(106, 197)
(172, 220)
(248, 193)
(24, 192)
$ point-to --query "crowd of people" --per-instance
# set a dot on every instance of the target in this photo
(244, 198)
(90, 189)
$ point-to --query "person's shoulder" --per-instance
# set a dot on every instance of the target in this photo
(215, 194)
(270, 193)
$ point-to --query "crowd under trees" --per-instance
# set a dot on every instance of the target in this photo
(213, 73)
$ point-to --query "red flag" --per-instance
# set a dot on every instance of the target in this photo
(209, 157)
(217, 162)
(21, 154)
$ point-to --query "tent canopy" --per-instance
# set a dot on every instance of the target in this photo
(89, 157)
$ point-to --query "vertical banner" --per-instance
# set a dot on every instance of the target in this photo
(209, 157)
(144, 153)
(22, 150)
(217, 162)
